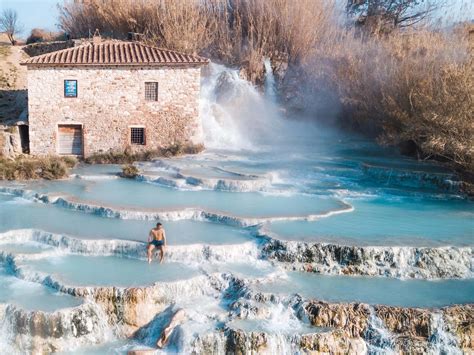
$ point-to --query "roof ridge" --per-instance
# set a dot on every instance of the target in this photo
(134, 53)
(169, 50)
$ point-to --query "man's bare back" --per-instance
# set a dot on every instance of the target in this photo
(156, 239)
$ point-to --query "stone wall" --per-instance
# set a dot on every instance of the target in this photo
(35, 49)
(109, 101)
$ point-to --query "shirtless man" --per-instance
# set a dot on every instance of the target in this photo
(156, 239)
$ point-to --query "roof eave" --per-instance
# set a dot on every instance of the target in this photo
(116, 64)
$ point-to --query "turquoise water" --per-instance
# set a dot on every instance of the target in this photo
(24, 248)
(87, 226)
(374, 290)
(378, 221)
(33, 296)
(133, 194)
(76, 270)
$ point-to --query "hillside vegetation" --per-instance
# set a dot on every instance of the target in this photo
(410, 86)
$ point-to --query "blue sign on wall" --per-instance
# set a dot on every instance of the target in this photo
(70, 88)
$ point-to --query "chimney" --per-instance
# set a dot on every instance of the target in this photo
(96, 39)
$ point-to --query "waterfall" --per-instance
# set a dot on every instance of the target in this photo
(283, 327)
(441, 340)
(379, 339)
(235, 115)
(270, 88)
(6, 331)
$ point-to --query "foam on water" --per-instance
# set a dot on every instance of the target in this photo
(280, 320)
(441, 340)
(379, 339)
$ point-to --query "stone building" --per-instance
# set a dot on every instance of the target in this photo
(112, 95)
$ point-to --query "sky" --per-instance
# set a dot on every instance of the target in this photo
(44, 13)
(34, 13)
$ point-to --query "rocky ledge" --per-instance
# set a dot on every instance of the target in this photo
(239, 342)
(338, 327)
(391, 261)
(42, 332)
(406, 330)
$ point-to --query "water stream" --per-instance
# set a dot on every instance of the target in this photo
(272, 200)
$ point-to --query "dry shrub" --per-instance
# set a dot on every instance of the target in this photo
(42, 35)
(27, 168)
(129, 171)
(180, 25)
(233, 31)
(127, 157)
(408, 87)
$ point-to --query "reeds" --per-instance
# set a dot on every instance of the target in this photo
(413, 85)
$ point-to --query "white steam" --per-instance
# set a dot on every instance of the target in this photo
(235, 115)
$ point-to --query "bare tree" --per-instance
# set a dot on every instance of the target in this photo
(386, 15)
(9, 24)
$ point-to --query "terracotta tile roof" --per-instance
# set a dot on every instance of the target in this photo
(115, 53)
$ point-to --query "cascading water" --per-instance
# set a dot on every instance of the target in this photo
(235, 115)
(378, 337)
(441, 340)
(270, 85)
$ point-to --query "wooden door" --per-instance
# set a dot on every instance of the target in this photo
(70, 139)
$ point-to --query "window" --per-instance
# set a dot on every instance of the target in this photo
(151, 91)
(70, 88)
(137, 135)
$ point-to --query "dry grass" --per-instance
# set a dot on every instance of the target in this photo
(4, 50)
(238, 32)
(28, 168)
(412, 87)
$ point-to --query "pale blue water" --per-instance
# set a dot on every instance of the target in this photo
(374, 290)
(24, 248)
(399, 221)
(78, 270)
(33, 296)
(394, 204)
(87, 226)
(133, 194)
